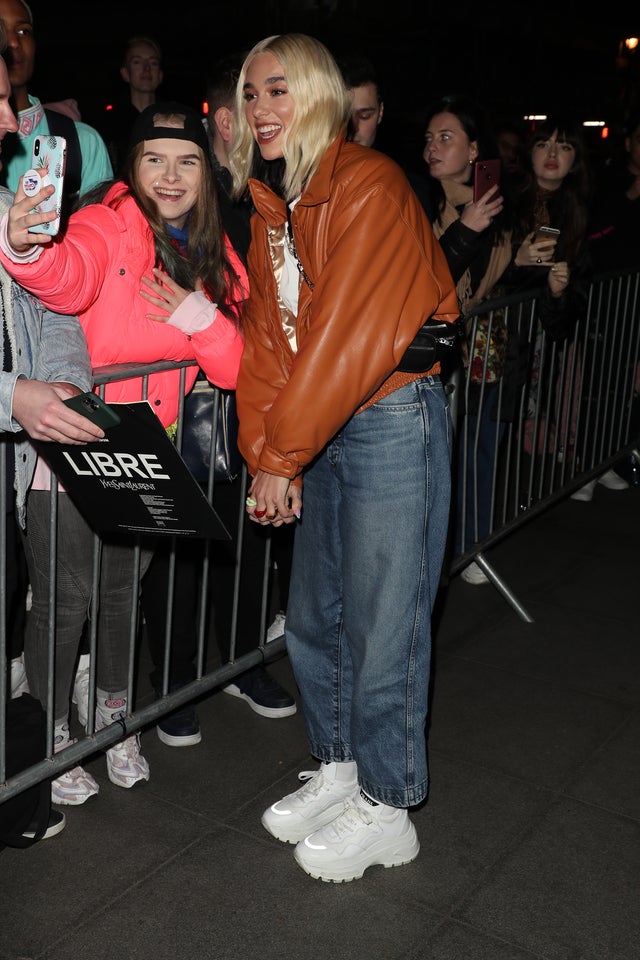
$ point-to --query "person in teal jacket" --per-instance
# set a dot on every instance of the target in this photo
(32, 119)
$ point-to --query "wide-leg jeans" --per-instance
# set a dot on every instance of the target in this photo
(367, 561)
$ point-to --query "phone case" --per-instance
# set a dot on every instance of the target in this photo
(93, 407)
(546, 233)
(50, 153)
(486, 175)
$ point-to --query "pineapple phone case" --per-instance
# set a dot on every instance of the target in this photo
(48, 154)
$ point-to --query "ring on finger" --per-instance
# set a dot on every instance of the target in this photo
(538, 259)
(259, 513)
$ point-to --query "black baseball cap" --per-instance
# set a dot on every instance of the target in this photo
(189, 125)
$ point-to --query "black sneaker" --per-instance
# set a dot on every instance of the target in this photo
(57, 821)
(263, 694)
(180, 728)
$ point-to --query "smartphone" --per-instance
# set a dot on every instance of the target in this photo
(486, 175)
(50, 154)
(546, 233)
(93, 407)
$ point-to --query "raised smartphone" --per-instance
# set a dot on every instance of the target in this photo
(486, 175)
(49, 154)
(546, 233)
(93, 407)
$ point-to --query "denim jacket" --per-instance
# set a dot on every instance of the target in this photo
(44, 346)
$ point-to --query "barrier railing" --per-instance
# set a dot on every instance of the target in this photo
(550, 417)
(561, 414)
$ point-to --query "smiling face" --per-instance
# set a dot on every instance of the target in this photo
(269, 108)
(552, 159)
(448, 150)
(170, 173)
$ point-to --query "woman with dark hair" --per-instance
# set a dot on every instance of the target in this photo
(475, 236)
(343, 271)
(557, 192)
(151, 276)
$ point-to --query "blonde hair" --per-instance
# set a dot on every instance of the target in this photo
(321, 109)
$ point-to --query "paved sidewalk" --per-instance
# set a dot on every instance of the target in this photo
(530, 836)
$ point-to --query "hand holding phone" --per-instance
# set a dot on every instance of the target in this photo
(48, 155)
(93, 407)
(546, 233)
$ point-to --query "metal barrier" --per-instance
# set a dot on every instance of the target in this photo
(561, 414)
(558, 415)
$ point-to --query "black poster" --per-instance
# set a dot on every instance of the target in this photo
(134, 479)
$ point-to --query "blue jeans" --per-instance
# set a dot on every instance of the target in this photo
(367, 560)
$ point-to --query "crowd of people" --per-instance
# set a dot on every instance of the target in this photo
(295, 263)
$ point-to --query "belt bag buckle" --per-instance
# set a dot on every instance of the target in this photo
(435, 342)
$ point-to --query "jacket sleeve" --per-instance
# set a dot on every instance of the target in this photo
(384, 275)
(460, 245)
(218, 347)
(68, 275)
(63, 354)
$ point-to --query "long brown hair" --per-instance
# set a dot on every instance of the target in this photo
(206, 257)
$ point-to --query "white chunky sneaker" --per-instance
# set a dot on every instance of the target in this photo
(319, 801)
(73, 787)
(19, 682)
(276, 629)
(366, 833)
(125, 764)
(474, 574)
(613, 481)
(80, 694)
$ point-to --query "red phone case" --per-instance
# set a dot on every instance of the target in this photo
(486, 175)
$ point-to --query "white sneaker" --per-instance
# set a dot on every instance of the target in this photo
(73, 787)
(319, 801)
(366, 833)
(276, 630)
(613, 481)
(125, 764)
(474, 574)
(584, 493)
(19, 682)
(80, 695)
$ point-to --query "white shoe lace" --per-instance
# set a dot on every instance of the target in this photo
(351, 820)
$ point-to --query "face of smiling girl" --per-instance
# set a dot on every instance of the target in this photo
(269, 108)
(170, 173)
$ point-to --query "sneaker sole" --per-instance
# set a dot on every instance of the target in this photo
(189, 740)
(52, 831)
(273, 713)
(387, 854)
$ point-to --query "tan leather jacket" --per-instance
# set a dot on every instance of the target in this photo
(377, 273)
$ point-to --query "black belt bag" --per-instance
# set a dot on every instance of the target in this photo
(435, 342)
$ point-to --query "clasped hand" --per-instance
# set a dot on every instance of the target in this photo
(165, 294)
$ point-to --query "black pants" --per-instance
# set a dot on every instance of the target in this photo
(219, 590)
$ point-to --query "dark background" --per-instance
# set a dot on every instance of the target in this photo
(516, 58)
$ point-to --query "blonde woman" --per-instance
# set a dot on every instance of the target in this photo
(343, 271)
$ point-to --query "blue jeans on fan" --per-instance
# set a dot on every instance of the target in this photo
(367, 560)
